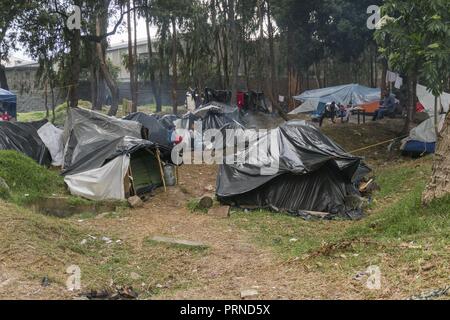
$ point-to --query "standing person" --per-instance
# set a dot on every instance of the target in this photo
(330, 112)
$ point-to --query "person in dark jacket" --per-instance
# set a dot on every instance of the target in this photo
(330, 112)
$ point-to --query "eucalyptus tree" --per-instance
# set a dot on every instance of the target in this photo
(169, 16)
(8, 33)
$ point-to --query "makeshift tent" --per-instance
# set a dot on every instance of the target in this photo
(216, 115)
(106, 158)
(157, 133)
(168, 121)
(353, 94)
(422, 139)
(428, 100)
(87, 132)
(8, 102)
(24, 138)
(303, 171)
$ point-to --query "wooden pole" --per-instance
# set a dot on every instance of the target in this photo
(177, 175)
(161, 169)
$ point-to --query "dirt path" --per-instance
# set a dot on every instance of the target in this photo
(232, 263)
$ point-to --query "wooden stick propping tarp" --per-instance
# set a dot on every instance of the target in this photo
(158, 153)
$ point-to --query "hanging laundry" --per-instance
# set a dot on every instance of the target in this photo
(391, 76)
(398, 82)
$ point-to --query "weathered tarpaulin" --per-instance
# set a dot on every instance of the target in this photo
(313, 173)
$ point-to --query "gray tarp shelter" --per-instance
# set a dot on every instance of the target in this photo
(354, 94)
(107, 158)
(8, 102)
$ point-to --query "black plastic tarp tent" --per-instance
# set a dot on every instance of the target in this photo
(8, 102)
(314, 174)
(157, 133)
(215, 115)
(91, 139)
(24, 138)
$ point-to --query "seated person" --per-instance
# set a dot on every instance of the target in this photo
(343, 113)
(387, 105)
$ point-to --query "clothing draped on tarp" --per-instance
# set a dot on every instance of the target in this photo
(303, 170)
(353, 94)
(8, 101)
(24, 138)
(157, 133)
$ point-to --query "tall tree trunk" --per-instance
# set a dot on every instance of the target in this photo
(3, 79)
(101, 87)
(52, 90)
(439, 186)
(217, 49)
(135, 60)
(131, 59)
(174, 66)
(110, 82)
(234, 51)
(261, 52)
(411, 81)
(47, 112)
(384, 70)
(273, 69)
(75, 68)
(94, 85)
(153, 85)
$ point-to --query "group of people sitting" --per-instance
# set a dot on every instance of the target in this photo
(334, 111)
(388, 106)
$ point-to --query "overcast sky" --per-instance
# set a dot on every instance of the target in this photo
(120, 37)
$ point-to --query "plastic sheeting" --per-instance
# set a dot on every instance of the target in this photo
(53, 140)
(91, 136)
(427, 100)
(105, 183)
(426, 131)
(24, 138)
(422, 139)
(216, 115)
(354, 94)
(314, 174)
(157, 133)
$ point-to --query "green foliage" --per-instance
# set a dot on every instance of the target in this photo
(27, 180)
(417, 39)
(397, 216)
(194, 206)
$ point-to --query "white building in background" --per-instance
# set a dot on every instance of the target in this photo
(116, 52)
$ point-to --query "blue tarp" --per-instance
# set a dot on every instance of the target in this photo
(418, 148)
(8, 102)
(354, 94)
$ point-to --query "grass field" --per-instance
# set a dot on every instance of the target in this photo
(60, 112)
(398, 235)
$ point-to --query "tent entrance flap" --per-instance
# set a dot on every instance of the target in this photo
(145, 170)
